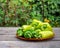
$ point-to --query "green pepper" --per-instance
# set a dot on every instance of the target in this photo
(46, 27)
(46, 34)
(19, 32)
(38, 30)
(36, 34)
(27, 34)
(27, 27)
(35, 23)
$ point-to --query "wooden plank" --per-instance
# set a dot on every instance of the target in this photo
(13, 38)
(25, 44)
(8, 30)
(8, 38)
(8, 34)
(57, 33)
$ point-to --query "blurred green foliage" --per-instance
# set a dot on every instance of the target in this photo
(19, 12)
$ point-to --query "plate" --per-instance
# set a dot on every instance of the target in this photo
(33, 39)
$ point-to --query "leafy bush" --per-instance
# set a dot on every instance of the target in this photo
(19, 12)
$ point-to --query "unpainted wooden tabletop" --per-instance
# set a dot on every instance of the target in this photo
(8, 40)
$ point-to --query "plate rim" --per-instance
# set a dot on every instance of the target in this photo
(34, 39)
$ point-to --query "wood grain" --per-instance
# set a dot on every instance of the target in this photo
(8, 40)
(25, 44)
(8, 33)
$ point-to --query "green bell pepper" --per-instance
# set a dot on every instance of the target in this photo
(27, 34)
(19, 32)
(46, 34)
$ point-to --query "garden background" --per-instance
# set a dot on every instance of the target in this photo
(19, 12)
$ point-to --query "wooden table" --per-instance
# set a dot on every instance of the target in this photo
(9, 40)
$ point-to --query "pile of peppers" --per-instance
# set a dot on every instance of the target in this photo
(36, 29)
